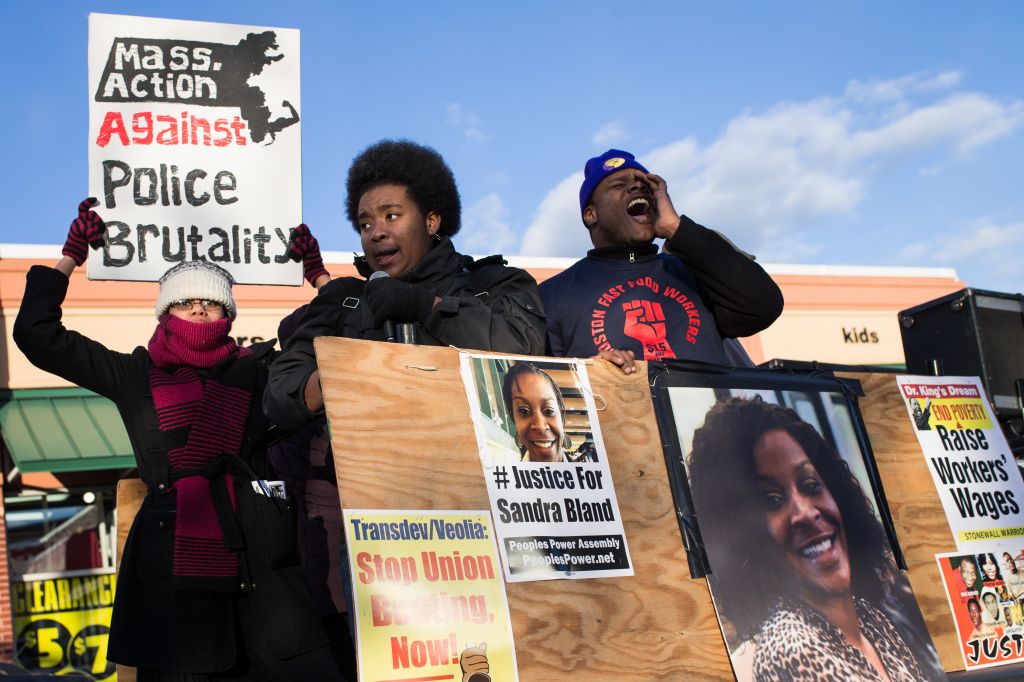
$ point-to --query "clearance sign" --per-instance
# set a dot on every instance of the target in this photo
(61, 622)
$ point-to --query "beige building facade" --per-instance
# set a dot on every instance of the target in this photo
(835, 314)
(63, 449)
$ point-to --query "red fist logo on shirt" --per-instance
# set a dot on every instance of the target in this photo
(645, 322)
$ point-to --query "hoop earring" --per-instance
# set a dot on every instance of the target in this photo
(566, 442)
(436, 237)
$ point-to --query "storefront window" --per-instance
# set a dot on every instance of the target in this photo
(62, 553)
(60, 532)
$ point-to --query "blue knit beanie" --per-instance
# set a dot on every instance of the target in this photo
(600, 167)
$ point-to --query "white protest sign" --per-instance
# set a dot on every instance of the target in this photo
(546, 469)
(971, 463)
(194, 147)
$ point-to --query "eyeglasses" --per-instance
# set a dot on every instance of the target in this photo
(187, 304)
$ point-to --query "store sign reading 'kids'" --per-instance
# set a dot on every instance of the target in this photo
(192, 127)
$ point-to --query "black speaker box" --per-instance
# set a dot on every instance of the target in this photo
(970, 333)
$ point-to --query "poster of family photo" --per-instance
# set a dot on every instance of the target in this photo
(546, 469)
(799, 562)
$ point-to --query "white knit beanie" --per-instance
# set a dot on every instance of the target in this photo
(196, 279)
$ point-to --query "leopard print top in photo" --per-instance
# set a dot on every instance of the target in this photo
(799, 643)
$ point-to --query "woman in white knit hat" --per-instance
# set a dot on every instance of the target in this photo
(209, 586)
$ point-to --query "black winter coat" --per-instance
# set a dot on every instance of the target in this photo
(484, 305)
(155, 624)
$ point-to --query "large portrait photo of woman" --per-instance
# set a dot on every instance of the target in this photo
(801, 569)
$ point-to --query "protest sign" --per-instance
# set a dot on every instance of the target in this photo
(430, 603)
(194, 147)
(970, 461)
(986, 596)
(546, 469)
(61, 622)
(798, 559)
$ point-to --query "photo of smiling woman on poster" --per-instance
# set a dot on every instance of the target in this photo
(800, 565)
(989, 569)
(533, 410)
(537, 410)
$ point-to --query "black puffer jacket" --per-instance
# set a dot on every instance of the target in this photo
(155, 623)
(484, 305)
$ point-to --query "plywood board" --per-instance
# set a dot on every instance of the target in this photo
(916, 509)
(130, 493)
(403, 439)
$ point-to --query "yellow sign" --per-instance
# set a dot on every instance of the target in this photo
(961, 413)
(61, 624)
(990, 534)
(951, 406)
(429, 596)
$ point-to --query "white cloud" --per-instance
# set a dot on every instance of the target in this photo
(466, 120)
(773, 177)
(986, 253)
(944, 81)
(964, 122)
(898, 88)
(680, 158)
(557, 228)
(485, 229)
(611, 133)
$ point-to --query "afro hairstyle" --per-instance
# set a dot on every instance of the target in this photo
(421, 170)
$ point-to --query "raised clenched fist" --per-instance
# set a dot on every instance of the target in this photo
(645, 322)
(303, 246)
(474, 664)
(86, 230)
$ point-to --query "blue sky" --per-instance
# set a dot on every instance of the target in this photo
(857, 133)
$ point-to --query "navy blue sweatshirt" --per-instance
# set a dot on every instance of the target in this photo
(660, 306)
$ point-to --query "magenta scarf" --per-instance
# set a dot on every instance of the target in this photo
(194, 344)
(216, 415)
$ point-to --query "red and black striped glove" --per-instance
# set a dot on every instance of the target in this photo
(303, 246)
(88, 229)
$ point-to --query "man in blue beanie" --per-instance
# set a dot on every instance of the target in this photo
(627, 300)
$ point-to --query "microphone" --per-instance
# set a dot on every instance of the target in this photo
(407, 333)
(389, 326)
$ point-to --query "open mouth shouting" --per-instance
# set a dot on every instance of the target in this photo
(384, 257)
(638, 206)
(641, 208)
